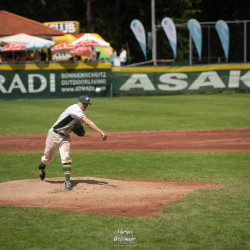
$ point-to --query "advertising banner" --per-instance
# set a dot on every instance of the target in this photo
(181, 80)
(20, 84)
(196, 33)
(223, 33)
(139, 32)
(69, 27)
(73, 81)
(170, 31)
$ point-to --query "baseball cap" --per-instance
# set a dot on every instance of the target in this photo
(84, 99)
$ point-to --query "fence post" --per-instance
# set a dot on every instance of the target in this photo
(245, 41)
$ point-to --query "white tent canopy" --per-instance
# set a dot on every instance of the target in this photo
(89, 36)
(24, 39)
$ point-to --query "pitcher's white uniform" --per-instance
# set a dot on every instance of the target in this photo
(59, 135)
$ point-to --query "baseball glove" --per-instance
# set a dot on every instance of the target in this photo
(78, 129)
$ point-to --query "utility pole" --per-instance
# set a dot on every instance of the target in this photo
(154, 54)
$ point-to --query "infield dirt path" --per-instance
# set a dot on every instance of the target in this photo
(116, 197)
(214, 139)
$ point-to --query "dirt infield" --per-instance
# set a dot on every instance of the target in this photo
(214, 139)
(116, 197)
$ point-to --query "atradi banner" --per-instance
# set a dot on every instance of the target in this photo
(169, 28)
(196, 33)
(223, 33)
(139, 32)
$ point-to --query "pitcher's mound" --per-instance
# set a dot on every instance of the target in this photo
(104, 196)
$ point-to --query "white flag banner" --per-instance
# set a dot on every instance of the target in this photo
(196, 33)
(139, 32)
(170, 30)
(223, 33)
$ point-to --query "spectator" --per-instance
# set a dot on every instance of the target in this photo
(43, 55)
(29, 57)
(123, 57)
(93, 56)
(112, 57)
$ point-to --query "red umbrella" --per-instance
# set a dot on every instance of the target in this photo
(90, 40)
(12, 47)
(63, 46)
(82, 51)
(87, 43)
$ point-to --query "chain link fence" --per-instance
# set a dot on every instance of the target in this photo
(212, 51)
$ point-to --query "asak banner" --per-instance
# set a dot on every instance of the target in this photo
(181, 80)
(52, 83)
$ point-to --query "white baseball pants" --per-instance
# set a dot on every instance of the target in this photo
(53, 142)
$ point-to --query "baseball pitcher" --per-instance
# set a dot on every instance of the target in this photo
(58, 136)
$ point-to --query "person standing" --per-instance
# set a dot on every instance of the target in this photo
(58, 137)
(112, 57)
(93, 56)
(43, 55)
(123, 57)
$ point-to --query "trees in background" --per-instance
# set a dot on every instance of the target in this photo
(111, 18)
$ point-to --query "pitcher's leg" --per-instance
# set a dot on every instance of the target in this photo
(64, 150)
(51, 146)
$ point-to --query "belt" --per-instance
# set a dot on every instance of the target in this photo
(59, 133)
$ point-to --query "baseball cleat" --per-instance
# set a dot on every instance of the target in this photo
(67, 185)
(42, 172)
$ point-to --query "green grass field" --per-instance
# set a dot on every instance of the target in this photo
(133, 113)
(205, 219)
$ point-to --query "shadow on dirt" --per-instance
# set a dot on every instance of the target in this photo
(76, 182)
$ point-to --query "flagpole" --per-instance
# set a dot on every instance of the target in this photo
(190, 50)
(153, 32)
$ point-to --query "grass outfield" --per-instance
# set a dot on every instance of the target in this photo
(133, 113)
(205, 219)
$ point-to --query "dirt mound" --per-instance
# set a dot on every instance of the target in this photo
(103, 196)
